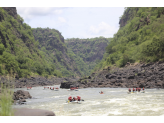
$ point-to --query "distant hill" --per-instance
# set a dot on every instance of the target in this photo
(87, 52)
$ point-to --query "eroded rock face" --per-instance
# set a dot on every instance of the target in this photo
(11, 10)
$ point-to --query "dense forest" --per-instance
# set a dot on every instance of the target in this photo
(19, 53)
(52, 46)
(139, 39)
(87, 52)
(42, 51)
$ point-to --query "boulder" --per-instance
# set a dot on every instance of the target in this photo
(32, 112)
(113, 80)
(20, 94)
(131, 77)
(21, 101)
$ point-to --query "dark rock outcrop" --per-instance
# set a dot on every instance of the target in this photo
(20, 94)
(149, 75)
(69, 83)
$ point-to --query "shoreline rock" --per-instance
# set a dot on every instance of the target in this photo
(32, 112)
(19, 96)
(149, 75)
(34, 81)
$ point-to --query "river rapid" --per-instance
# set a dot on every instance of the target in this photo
(114, 102)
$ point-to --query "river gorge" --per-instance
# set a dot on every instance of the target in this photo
(114, 102)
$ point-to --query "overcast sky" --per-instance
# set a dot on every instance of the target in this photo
(77, 22)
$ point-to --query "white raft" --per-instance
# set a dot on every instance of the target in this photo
(73, 90)
(136, 92)
(73, 102)
(131, 92)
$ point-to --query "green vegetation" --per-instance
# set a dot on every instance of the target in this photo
(87, 52)
(19, 53)
(52, 46)
(6, 101)
(139, 39)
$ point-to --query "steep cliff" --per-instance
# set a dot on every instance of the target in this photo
(19, 53)
(11, 11)
(87, 52)
(139, 39)
(52, 45)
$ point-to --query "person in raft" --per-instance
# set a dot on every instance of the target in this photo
(74, 98)
(129, 90)
(78, 98)
(143, 89)
(70, 98)
(139, 89)
(101, 92)
(133, 90)
(136, 89)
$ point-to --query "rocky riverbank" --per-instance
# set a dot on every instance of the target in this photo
(34, 81)
(149, 75)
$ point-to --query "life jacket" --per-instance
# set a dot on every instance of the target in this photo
(133, 89)
(78, 98)
(70, 98)
(143, 89)
(129, 89)
(136, 89)
(74, 98)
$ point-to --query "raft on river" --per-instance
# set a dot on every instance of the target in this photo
(136, 92)
(74, 102)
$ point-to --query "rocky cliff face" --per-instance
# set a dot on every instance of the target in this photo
(11, 11)
(128, 15)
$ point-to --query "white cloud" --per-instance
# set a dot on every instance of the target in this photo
(31, 12)
(61, 19)
(102, 29)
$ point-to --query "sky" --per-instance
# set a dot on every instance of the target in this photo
(74, 22)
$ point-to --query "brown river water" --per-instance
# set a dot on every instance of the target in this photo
(114, 102)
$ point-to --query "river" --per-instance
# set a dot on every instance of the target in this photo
(114, 102)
